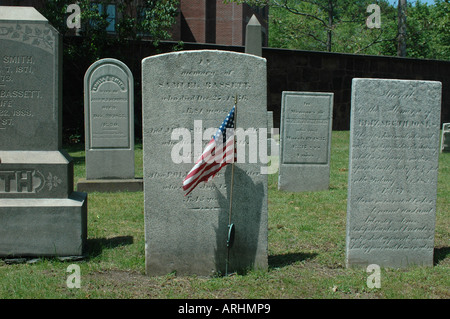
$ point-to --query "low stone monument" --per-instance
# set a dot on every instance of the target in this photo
(109, 128)
(40, 215)
(185, 97)
(393, 169)
(305, 141)
(445, 140)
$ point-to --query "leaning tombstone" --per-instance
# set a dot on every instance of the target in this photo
(305, 141)
(40, 214)
(109, 128)
(393, 168)
(185, 97)
(445, 140)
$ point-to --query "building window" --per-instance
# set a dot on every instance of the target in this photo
(110, 11)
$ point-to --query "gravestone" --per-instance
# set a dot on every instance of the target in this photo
(186, 96)
(445, 140)
(39, 212)
(109, 128)
(305, 141)
(392, 188)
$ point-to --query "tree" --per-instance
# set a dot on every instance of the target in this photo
(441, 18)
(401, 48)
(152, 20)
(428, 34)
(325, 25)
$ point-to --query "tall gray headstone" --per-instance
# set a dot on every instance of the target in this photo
(305, 141)
(39, 212)
(394, 147)
(109, 128)
(193, 91)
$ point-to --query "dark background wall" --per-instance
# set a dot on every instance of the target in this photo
(333, 72)
(287, 70)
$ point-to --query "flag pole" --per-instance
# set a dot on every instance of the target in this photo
(230, 225)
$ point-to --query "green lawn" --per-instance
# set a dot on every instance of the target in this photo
(306, 250)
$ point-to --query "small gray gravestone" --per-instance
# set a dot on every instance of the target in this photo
(39, 212)
(253, 37)
(392, 189)
(305, 141)
(186, 96)
(109, 128)
(445, 140)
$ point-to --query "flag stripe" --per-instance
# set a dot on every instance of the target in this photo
(210, 162)
(208, 170)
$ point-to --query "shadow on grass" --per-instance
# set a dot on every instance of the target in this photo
(440, 254)
(73, 148)
(278, 261)
(95, 246)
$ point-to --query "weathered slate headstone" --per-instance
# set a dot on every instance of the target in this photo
(305, 141)
(394, 146)
(445, 140)
(109, 120)
(188, 234)
(109, 127)
(39, 212)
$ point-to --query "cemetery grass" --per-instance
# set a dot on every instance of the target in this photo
(306, 250)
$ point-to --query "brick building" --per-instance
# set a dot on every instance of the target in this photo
(212, 21)
(200, 21)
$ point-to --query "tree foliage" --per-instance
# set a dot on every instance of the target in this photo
(340, 26)
(152, 20)
(429, 30)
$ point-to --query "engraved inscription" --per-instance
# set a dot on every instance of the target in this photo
(306, 129)
(16, 103)
(393, 173)
(193, 92)
(109, 112)
(21, 181)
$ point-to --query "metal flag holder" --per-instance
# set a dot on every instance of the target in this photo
(231, 228)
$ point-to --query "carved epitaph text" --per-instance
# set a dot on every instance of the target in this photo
(188, 234)
(306, 121)
(29, 86)
(394, 145)
(109, 118)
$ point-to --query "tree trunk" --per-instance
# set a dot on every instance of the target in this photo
(330, 24)
(401, 40)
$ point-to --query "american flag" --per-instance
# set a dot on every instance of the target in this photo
(219, 152)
